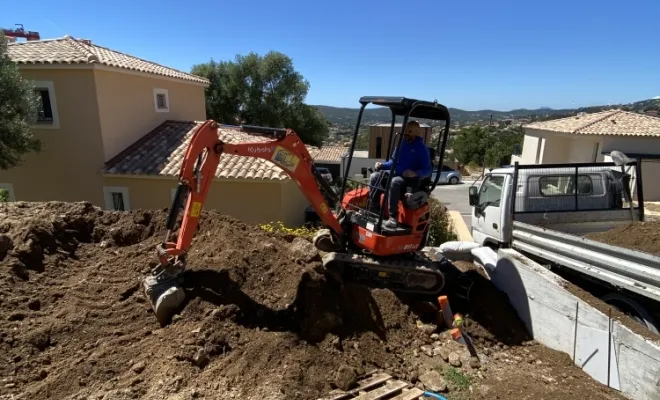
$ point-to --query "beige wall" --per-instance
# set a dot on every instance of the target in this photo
(128, 109)
(68, 167)
(384, 133)
(251, 202)
(294, 204)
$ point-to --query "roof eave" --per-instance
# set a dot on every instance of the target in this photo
(102, 67)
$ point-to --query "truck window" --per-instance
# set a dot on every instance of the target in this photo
(564, 185)
(491, 191)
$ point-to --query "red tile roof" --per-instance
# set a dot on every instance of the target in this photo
(68, 50)
(161, 152)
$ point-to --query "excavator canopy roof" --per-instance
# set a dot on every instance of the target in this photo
(401, 106)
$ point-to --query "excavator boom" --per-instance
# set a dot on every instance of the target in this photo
(283, 148)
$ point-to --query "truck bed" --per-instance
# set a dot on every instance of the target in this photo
(559, 238)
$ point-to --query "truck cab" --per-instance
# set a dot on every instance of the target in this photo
(544, 189)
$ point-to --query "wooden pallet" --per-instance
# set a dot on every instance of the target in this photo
(378, 386)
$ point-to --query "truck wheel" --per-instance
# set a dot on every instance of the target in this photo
(633, 309)
(453, 180)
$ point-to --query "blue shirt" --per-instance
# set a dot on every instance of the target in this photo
(414, 156)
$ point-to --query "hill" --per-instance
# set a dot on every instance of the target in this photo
(343, 116)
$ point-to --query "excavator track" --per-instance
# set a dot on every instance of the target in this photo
(422, 275)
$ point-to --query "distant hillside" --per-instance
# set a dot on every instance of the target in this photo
(343, 116)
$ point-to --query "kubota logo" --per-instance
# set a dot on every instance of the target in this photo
(254, 149)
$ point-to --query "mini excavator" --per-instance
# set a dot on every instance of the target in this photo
(359, 247)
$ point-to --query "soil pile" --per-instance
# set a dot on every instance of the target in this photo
(642, 236)
(260, 320)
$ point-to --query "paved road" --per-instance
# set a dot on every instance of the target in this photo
(455, 197)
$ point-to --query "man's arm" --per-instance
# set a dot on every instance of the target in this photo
(425, 161)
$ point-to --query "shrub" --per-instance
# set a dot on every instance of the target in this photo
(441, 225)
(278, 228)
(4, 195)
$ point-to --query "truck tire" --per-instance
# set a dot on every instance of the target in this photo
(633, 309)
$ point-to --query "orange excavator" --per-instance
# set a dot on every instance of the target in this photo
(359, 247)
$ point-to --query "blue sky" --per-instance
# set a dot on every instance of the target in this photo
(466, 54)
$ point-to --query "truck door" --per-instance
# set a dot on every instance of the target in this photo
(487, 213)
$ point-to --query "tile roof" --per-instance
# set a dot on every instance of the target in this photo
(161, 152)
(611, 122)
(327, 153)
(68, 50)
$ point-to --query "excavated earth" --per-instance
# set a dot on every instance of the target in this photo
(641, 236)
(260, 322)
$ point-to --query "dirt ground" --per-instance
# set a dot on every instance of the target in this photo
(642, 236)
(260, 321)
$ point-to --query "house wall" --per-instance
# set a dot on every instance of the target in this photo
(67, 168)
(128, 111)
(294, 203)
(248, 201)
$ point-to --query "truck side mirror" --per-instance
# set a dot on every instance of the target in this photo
(473, 196)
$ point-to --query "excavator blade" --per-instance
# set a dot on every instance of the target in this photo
(420, 275)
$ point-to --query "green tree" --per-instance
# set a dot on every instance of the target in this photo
(486, 146)
(262, 90)
(18, 110)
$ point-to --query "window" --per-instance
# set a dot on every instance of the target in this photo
(447, 169)
(7, 192)
(116, 198)
(47, 116)
(564, 185)
(161, 100)
(379, 147)
(491, 191)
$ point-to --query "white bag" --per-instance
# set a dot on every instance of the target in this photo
(458, 247)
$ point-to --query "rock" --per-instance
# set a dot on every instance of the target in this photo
(435, 336)
(454, 359)
(433, 381)
(40, 338)
(304, 250)
(429, 329)
(201, 359)
(484, 390)
(427, 350)
(444, 354)
(138, 367)
(475, 363)
(346, 378)
(415, 353)
(336, 343)
(488, 352)
(413, 377)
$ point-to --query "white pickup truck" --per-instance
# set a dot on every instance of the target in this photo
(542, 211)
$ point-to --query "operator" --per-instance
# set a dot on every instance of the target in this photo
(414, 165)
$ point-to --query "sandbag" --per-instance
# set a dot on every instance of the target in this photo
(460, 247)
(486, 257)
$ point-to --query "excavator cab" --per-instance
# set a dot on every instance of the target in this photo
(367, 228)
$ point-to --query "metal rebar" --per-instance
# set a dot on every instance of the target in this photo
(609, 345)
(577, 308)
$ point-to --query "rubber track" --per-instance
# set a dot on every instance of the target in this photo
(420, 275)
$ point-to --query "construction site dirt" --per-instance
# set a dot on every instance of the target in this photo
(640, 236)
(260, 321)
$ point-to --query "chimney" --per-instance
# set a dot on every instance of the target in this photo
(86, 41)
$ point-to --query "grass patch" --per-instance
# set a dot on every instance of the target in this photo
(457, 378)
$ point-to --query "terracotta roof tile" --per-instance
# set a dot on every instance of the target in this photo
(161, 152)
(328, 153)
(611, 122)
(67, 50)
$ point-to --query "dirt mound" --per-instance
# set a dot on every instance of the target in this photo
(260, 320)
(642, 236)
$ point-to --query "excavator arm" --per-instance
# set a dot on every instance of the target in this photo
(283, 148)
